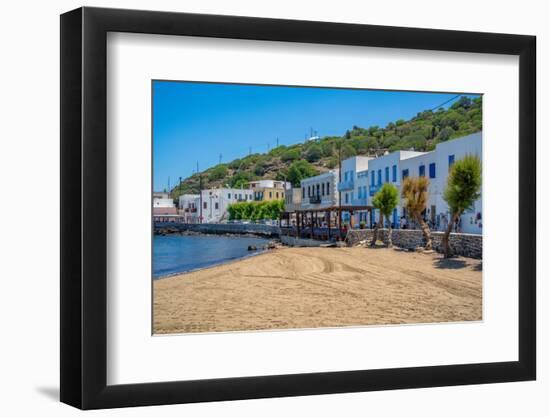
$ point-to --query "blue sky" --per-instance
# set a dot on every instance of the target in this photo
(198, 122)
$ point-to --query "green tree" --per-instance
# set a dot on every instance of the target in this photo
(385, 200)
(332, 162)
(314, 153)
(290, 155)
(240, 179)
(327, 147)
(348, 151)
(445, 133)
(414, 191)
(259, 169)
(462, 190)
(218, 172)
(299, 170)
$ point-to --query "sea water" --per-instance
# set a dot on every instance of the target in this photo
(179, 253)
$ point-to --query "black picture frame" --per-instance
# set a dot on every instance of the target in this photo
(84, 207)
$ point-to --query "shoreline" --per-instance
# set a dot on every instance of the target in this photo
(301, 288)
(221, 263)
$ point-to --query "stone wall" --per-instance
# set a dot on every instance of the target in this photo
(296, 241)
(219, 228)
(461, 243)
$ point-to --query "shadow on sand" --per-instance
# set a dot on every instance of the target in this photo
(450, 263)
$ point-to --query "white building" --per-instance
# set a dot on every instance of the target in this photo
(269, 184)
(293, 199)
(210, 206)
(435, 165)
(350, 169)
(362, 177)
(320, 191)
(162, 200)
(188, 207)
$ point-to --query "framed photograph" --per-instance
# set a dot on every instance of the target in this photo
(257, 208)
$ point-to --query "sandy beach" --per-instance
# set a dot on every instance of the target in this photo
(320, 287)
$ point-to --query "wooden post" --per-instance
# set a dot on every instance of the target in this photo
(328, 223)
(339, 223)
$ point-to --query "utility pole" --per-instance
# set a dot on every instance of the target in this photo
(200, 193)
(277, 141)
(169, 190)
(220, 159)
(250, 150)
(339, 192)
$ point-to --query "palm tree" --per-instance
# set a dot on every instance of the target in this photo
(415, 193)
(385, 200)
(462, 190)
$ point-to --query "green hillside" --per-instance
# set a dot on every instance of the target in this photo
(303, 160)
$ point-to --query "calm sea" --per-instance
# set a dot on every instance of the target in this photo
(176, 253)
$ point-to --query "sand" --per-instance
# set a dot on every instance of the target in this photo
(292, 288)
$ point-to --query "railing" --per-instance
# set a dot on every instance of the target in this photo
(316, 199)
(345, 185)
(373, 189)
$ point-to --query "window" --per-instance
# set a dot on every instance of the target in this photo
(323, 189)
(372, 178)
(346, 176)
(328, 188)
(303, 192)
(229, 196)
(422, 171)
(379, 177)
(387, 174)
(204, 205)
(451, 161)
(270, 194)
(405, 173)
(216, 205)
(346, 198)
(240, 196)
(394, 173)
(318, 189)
(432, 170)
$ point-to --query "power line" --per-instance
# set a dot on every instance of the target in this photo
(442, 104)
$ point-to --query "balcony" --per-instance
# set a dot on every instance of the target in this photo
(316, 199)
(345, 185)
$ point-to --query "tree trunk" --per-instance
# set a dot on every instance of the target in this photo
(390, 242)
(375, 231)
(426, 232)
(445, 240)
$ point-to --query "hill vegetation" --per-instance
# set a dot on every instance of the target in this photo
(302, 160)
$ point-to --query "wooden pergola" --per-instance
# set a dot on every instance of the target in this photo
(308, 218)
